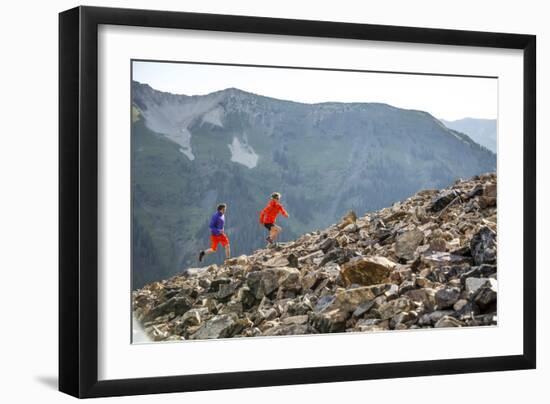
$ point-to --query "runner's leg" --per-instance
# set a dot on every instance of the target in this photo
(275, 230)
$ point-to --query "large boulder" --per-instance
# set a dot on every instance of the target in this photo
(367, 270)
(406, 244)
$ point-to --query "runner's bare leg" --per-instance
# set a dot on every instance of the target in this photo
(274, 232)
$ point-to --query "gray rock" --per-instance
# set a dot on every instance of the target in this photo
(406, 244)
(293, 261)
(442, 200)
(267, 314)
(263, 283)
(446, 297)
(191, 318)
(177, 304)
(473, 284)
(486, 297)
(465, 308)
(227, 289)
(392, 292)
(323, 303)
(220, 326)
(363, 308)
(484, 246)
(215, 284)
(301, 307)
(327, 245)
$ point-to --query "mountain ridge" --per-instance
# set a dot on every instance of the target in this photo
(480, 130)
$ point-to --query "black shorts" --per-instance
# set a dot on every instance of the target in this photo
(268, 226)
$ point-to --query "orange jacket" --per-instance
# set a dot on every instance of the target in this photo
(270, 212)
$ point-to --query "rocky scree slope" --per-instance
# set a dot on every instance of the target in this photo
(428, 261)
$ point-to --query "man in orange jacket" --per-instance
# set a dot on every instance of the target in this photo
(268, 215)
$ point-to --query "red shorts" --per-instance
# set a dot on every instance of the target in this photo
(220, 238)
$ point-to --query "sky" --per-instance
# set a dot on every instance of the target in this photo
(444, 97)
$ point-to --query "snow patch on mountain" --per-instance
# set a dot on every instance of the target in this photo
(214, 117)
(243, 153)
(188, 153)
(172, 117)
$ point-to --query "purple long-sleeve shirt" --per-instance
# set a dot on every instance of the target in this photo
(216, 223)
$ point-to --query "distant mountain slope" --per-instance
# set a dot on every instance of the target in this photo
(482, 131)
(191, 152)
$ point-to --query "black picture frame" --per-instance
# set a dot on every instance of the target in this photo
(78, 200)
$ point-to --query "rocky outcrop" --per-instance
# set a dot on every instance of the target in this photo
(428, 261)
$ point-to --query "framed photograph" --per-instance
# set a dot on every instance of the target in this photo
(250, 201)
